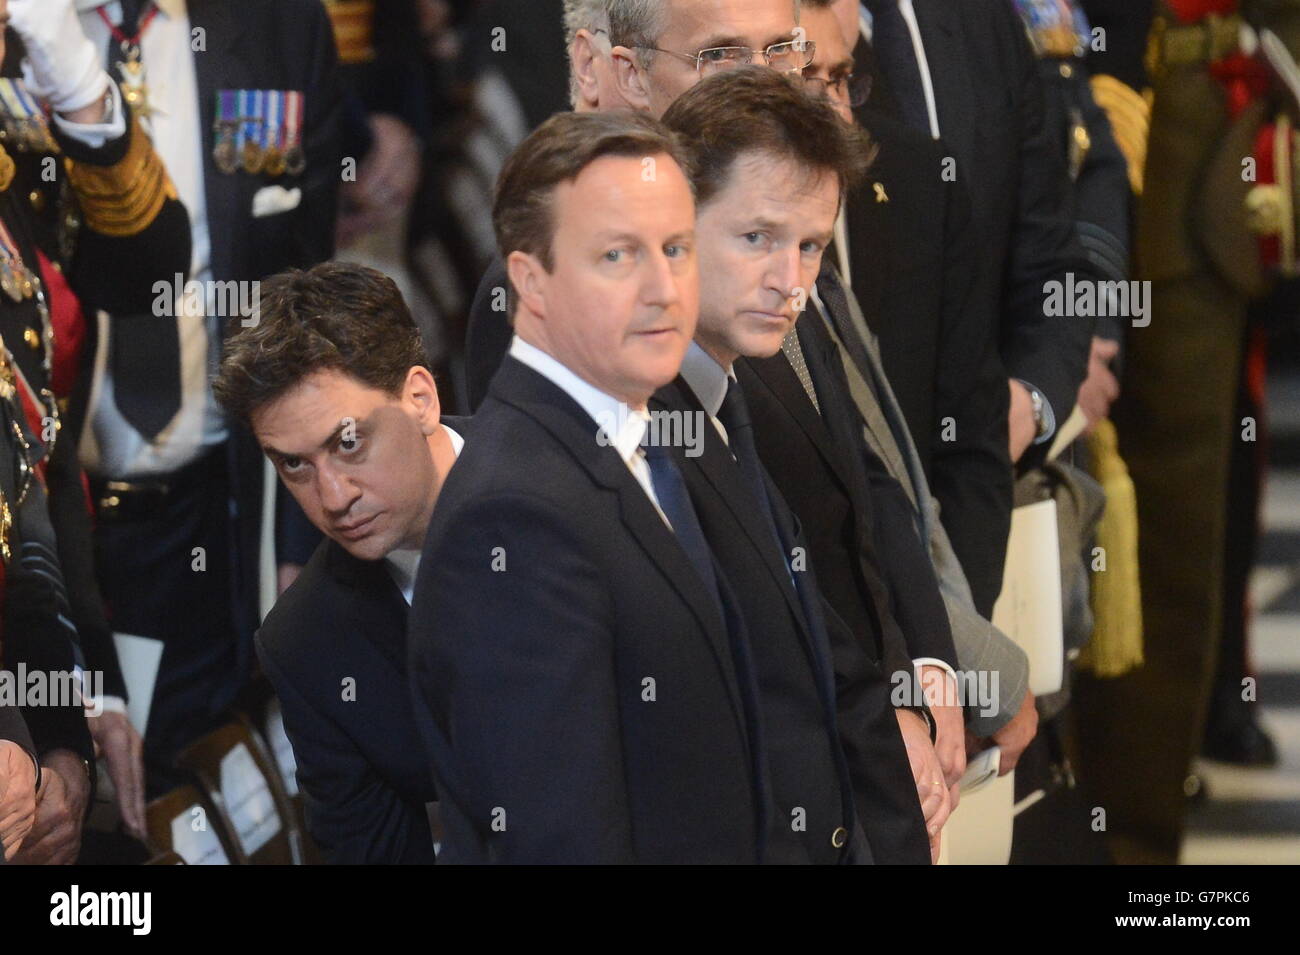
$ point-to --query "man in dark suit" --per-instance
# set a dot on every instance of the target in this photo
(240, 102)
(965, 72)
(336, 386)
(844, 456)
(770, 163)
(622, 76)
(584, 681)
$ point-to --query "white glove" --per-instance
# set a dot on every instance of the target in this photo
(62, 66)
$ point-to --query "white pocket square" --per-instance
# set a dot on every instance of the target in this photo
(271, 200)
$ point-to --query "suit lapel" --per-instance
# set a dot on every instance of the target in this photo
(723, 474)
(218, 67)
(777, 377)
(868, 251)
(953, 94)
(375, 605)
(537, 397)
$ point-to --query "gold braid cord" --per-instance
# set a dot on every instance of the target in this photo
(123, 199)
(354, 28)
(1129, 113)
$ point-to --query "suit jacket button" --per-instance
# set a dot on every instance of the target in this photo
(839, 837)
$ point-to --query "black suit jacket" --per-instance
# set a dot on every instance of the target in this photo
(361, 765)
(990, 106)
(573, 677)
(783, 605)
(281, 45)
(487, 339)
(871, 563)
(915, 256)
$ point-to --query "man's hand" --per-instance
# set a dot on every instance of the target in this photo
(950, 728)
(62, 66)
(1020, 423)
(17, 796)
(928, 776)
(1018, 734)
(1014, 738)
(1100, 389)
(117, 741)
(386, 181)
(55, 839)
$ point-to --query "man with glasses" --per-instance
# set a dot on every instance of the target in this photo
(661, 50)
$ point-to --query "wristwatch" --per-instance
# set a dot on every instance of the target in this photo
(1036, 402)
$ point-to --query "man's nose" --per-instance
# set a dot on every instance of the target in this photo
(659, 283)
(336, 490)
(783, 275)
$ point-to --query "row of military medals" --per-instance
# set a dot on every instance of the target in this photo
(22, 126)
(259, 131)
(20, 284)
(22, 121)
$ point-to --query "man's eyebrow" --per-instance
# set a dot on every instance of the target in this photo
(333, 436)
(614, 235)
(719, 39)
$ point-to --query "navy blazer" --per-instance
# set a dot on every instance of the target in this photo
(782, 601)
(361, 767)
(573, 677)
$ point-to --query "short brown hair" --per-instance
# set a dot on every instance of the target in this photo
(556, 152)
(756, 109)
(335, 316)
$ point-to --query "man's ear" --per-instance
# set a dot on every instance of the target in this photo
(529, 280)
(632, 83)
(422, 391)
(582, 60)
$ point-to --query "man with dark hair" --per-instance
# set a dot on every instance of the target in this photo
(770, 164)
(914, 252)
(336, 387)
(584, 679)
(726, 34)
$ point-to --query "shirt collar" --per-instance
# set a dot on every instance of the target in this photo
(622, 427)
(403, 563)
(706, 378)
(457, 442)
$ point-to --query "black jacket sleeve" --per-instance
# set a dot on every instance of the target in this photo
(1051, 352)
(970, 465)
(353, 815)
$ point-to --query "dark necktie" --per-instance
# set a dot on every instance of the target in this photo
(892, 42)
(144, 350)
(836, 300)
(675, 502)
(734, 415)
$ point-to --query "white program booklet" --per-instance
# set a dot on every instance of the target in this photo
(1029, 608)
(979, 830)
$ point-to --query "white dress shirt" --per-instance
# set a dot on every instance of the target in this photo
(709, 381)
(404, 563)
(111, 447)
(618, 425)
